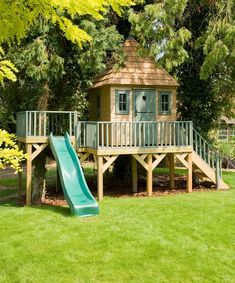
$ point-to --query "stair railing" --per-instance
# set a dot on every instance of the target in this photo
(208, 154)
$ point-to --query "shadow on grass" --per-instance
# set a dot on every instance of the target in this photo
(53, 208)
(13, 202)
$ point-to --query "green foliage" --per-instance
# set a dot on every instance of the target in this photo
(55, 70)
(10, 155)
(219, 39)
(7, 69)
(17, 17)
(156, 29)
(195, 41)
(227, 149)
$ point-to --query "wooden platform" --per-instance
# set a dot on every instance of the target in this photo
(147, 142)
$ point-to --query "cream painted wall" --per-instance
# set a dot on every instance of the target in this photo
(108, 104)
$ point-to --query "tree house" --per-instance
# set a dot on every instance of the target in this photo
(132, 112)
(140, 91)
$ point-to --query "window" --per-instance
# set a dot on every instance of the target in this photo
(122, 101)
(164, 101)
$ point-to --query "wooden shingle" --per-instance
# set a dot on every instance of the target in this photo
(137, 71)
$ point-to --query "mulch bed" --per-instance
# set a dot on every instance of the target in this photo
(122, 189)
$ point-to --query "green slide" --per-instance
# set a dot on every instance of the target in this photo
(77, 194)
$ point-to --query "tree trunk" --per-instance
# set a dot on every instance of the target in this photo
(43, 99)
(39, 176)
(39, 173)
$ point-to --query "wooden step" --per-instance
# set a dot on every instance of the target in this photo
(206, 170)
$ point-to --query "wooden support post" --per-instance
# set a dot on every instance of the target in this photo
(150, 174)
(190, 173)
(19, 186)
(172, 170)
(100, 177)
(29, 175)
(134, 175)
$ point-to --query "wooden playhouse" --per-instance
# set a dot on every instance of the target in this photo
(132, 111)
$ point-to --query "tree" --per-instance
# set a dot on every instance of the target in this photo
(157, 29)
(194, 40)
(197, 100)
(55, 74)
(41, 56)
(17, 17)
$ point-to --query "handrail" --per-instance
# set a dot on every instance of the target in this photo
(210, 155)
(146, 134)
(100, 134)
(42, 123)
(204, 149)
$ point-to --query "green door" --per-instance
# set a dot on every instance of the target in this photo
(145, 105)
(145, 110)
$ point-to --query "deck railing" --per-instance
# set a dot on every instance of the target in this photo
(101, 135)
(204, 149)
(42, 123)
(210, 155)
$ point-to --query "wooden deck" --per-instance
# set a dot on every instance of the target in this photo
(134, 137)
(148, 143)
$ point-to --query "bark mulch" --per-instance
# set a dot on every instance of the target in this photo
(122, 189)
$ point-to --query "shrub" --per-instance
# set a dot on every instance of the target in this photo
(10, 154)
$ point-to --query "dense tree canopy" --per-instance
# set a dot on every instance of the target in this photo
(17, 17)
(54, 73)
(195, 41)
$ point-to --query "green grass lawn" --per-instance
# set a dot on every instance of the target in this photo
(181, 238)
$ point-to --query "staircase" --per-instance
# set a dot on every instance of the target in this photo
(206, 161)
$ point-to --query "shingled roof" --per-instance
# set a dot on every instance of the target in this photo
(137, 71)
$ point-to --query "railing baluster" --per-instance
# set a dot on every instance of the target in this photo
(165, 133)
(135, 136)
(148, 134)
(116, 134)
(85, 130)
(139, 134)
(125, 134)
(107, 134)
(111, 133)
(144, 134)
(156, 126)
(130, 135)
(70, 124)
(79, 132)
(27, 123)
(34, 123)
(98, 135)
(152, 133)
(186, 134)
(160, 134)
(40, 124)
(44, 124)
(30, 124)
(102, 135)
